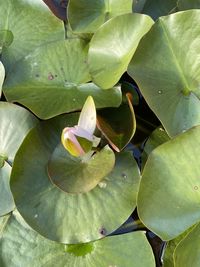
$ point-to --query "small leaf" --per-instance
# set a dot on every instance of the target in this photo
(118, 125)
(73, 175)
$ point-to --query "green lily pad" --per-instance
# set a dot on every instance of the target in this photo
(168, 259)
(169, 195)
(18, 239)
(187, 251)
(16, 122)
(6, 198)
(2, 75)
(60, 71)
(168, 71)
(73, 175)
(70, 218)
(88, 16)
(113, 45)
(185, 4)
(118, 125)
(30, 24)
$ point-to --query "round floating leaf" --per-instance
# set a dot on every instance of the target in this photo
(16, 122)
(185, 4)
(88, 16)
(167, 71)
(122, 250)
(118, 125)
(187, 251)
(170, 186)
(30, 24)
(6, 199)
(73, 175)
(58, 70)
(113, 45)
(70, 218)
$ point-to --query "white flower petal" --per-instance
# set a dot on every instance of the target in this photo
(87, 119)
(2, 76)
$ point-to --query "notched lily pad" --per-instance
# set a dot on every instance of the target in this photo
(117, 192)
(76, 175)
(64, 81)
(118, 125)
(168, 71)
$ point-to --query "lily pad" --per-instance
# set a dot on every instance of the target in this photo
(113, 45)
(64, 80)
(18, 239)
(75, 175)
(168, 72)
(6, 198)
(63, 217)
(118, 125)
(170, 186)
(187, 251)
(31, 24)
(88, 16)
(2, 75)
(16, 122)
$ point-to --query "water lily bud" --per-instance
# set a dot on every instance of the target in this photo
(78, 140)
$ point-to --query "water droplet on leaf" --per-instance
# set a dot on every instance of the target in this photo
(160, 92)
